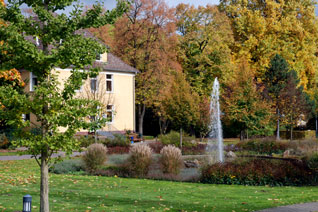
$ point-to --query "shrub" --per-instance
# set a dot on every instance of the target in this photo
(67, 167)
(173, 138)
(94, 157)
(263, 146)
(140, 159)
(198, 149)
(118, 150)
(86, 140)
(117, 140)
(156, 147)
(312, 161)
(4, 142)
(259, 172)
(171, 159)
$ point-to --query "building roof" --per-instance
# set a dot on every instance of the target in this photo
(113, 63)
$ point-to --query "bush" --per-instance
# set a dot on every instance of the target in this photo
(4, 142)
(312, 161)
(117, 140)
(198, 149)
(86, 140)
(259, 172)
(263, 146)
(94, 157)
(140, 159)
(171, 159)
(118, 150)
(173, 138)
(67, 167)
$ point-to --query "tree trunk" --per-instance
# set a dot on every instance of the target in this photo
(277, 132)
(242, 135)
(246, 134)
(291, 133)
(44, 193)
(181, 139)
(141, 115)
(316, 127)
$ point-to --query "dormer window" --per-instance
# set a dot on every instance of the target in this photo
(33, 81)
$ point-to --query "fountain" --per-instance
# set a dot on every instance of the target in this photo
(215, 138)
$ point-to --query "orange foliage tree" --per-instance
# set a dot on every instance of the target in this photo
(12, 76)
(145, 38)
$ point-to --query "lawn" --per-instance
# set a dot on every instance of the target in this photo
(95, 193)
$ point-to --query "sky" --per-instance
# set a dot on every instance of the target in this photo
(109, 4)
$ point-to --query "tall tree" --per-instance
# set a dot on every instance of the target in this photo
(287, 27)
(145, 37)
(204, 38)
(275, 80)
(243, 104)
(179, 103)
(293, 103)
(58, 45)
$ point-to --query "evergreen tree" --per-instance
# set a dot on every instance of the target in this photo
(275, 81)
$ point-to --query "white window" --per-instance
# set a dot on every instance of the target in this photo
(33, 81)
(94, 85)
(110, 113)
(109, 83)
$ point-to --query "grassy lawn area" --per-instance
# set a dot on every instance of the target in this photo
(95, 193)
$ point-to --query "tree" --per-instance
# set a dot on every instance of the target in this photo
(243, 104)
(53, 105)
(145, 39)
(180, 104)
(204, 38)
(292, 102)
(275, 80)
(263, 29)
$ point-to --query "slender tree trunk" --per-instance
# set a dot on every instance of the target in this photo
(246, 134)
(44, 192)
(242, 135)
(291, 132)
(141, 115)
(181, 139)
(316, 127)
(277, 132)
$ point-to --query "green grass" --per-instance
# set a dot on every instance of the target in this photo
(95, 193)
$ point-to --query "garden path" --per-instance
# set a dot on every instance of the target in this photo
(306, 207)
(23, 157)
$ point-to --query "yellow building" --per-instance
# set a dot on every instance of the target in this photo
(114, 87)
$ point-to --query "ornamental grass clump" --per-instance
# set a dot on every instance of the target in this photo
(95, 157)
(171, 159)
(140, 159)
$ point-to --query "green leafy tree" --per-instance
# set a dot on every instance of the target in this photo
(60, 45)
(179, 103)
(203, 50)
(243, 104)
(275, 80)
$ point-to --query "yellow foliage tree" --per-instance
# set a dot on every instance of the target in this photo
(265, 28)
